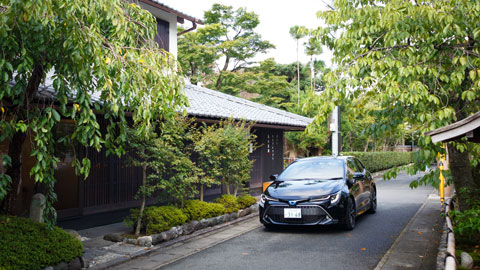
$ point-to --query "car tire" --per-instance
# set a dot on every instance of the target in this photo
(350, 215)
(373, 202)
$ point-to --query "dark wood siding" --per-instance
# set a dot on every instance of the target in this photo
(111, 181)
(163, 33)
(268, 157)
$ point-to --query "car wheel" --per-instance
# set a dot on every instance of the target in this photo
(350, 215)
(373, 203)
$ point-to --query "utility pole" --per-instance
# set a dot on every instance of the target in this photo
(335, 129)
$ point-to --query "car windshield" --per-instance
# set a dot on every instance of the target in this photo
(324, 169)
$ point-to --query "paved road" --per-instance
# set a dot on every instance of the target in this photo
(309, 248)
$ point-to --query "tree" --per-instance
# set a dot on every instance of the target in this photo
(232, 33)
(198, 52)
(297, 32)
(165, 159)
(89, 48)
(144, 152)
(313, 47)
(223, 151)
(420, 59)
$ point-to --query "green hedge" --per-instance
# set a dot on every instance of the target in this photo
(25, 244)
(157, 218)
(161, 218)
(245, 201)
(377, 161)
(229, 202)
(196, 210)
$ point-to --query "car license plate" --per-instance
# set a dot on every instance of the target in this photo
(292, 213)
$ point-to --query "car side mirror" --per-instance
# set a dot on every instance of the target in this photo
(350, 182)
(358, 175)
(273, 177)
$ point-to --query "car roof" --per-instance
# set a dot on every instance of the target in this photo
(324, 158)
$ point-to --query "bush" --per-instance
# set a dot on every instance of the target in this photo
(245, 201)
(229, 202)
(157, 218)
(466, 224)
(377, 161)
(25, 244)
(196, 210)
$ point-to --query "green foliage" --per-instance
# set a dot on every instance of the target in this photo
(223, 152)
(196, 210)
(377, 161)
(30, 245)
(466, 224)
(229, 202)
(86, 48)
(166, 155)
(245, 201)
(162, 218)
(418, 60)
(228, 35)
(157, 219)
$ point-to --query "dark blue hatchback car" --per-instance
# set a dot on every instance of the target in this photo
(319, 191)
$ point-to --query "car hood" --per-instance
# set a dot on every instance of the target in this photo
(303, 189)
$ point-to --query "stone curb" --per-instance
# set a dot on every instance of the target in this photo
(145, 252)
(449, 260)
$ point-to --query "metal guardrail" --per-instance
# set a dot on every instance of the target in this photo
(450, 260)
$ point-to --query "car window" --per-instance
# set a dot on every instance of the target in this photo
(314, 169)
(359, 165)
(351, 168)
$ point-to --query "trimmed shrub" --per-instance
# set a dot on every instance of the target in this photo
(245, 201)
(377, 161)
(196, 210)
(157, 218)
(229, 202)
(25, 244)
(162, 218)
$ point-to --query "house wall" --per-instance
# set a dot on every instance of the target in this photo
(171, 19)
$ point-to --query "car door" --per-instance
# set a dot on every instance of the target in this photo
(366, 179)
(357, 186)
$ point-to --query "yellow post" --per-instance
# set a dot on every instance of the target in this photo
(441, 166)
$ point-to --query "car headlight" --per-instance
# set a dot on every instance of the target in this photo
(334, 198)
(264, 198)
(320, 199)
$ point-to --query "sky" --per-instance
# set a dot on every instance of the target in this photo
(276, 18)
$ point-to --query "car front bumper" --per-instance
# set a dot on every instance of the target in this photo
(312, 214)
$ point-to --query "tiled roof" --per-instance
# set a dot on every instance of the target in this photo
(206, 103)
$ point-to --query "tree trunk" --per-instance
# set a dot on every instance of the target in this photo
(142, 206)
(311, 72)
(220, 78)
(18, 138)
(201, 192)
(298, 78)
(228, 188)
(459, 164)
(235, 190)
(365, 149)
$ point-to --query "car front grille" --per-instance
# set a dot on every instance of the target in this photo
(310, 214)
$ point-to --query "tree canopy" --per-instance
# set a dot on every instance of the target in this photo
(419, 60)
(102, 58)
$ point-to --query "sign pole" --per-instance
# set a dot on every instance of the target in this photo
(335, 129)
